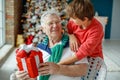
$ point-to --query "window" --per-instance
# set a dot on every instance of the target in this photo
(2, 23)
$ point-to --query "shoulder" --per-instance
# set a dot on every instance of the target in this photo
(68, 53)
(45, 50)
(96, 25)
(95, 28)
(44, 47)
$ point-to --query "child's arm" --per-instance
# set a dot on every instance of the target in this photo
(74, 47)
(69, 60)
(73, 42)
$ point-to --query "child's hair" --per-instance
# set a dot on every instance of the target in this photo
(80, 9)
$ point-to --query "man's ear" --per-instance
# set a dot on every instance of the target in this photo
(43, 29)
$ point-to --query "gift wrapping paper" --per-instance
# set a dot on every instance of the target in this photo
(29, 61)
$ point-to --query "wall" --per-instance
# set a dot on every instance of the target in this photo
(115, 28)
(104, 8)
(9, 14)
(12, 13)
(18, 8)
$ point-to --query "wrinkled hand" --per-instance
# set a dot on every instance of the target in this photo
(23, 75)
(73, 43)
(48, 68)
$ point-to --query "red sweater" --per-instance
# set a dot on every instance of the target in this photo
(89, 38)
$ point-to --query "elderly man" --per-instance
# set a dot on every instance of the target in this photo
(55, 48)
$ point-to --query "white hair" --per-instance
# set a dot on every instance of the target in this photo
(46, 13)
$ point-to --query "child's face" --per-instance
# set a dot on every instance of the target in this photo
(77, 21)
(83, 23)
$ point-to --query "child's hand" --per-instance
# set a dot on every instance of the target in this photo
(73, 43)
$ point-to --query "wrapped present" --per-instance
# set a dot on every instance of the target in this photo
(28, 59)
(29, 39)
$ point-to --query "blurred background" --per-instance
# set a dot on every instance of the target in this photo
(19, 23)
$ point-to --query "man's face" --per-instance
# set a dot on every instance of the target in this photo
(52, 26)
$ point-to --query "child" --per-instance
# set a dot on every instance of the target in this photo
(84, 31)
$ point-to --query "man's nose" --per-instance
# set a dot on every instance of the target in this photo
(54, 24)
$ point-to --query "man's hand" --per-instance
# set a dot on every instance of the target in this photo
(23, 75)
(48, 68)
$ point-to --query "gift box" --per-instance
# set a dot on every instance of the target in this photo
(29, 39)
(29, 60)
